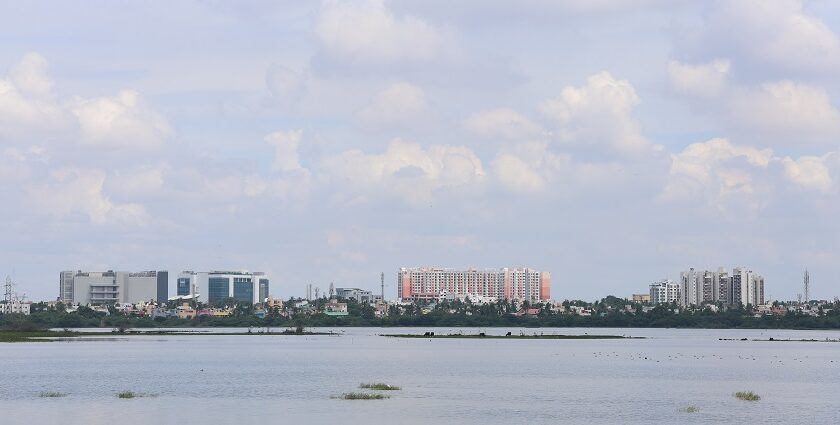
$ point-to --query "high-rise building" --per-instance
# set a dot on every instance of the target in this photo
(747, 287)
(112, 287)
(507, 283)
(665, 292)
(691, 287)
(216, 286)
(741, 287)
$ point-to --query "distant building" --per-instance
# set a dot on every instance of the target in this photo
(641, 298)
(741, 287)
(110, 287)
(217, 286)
(357, 294)
(507, 283)
(665, 292)
(335, 308)
(15, 307)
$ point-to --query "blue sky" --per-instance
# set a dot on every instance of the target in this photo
(611, 143)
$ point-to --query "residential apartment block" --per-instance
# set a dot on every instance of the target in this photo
(110, 287)
(665, 292)
(742, 286)
(507, 283)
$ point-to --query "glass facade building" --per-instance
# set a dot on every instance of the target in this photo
(218, 288)
(243, 289)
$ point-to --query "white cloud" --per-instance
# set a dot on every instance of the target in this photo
(713, 171)
(77, 191)
(598, 115)
(809, 172)
(706, 80)
(517, 175)
(397, 105)
(406, 168)
(786, 113)
(365, 33)
(27, 104)
(503, 123)
(122, 120)
(285, 150)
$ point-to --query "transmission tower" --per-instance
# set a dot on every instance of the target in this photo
(382, 282)
(807, 284)
(8, 295)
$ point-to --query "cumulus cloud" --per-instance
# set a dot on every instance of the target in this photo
(809, 172)
(503, 123)
(713, 171)
(399, 104)
(122, 120)
(598, 115)
(705, 80)
(366, 33)
(142, 181)
(786, 113)
(79, 191)
(27, 103)
(409, 169)
(777, 34)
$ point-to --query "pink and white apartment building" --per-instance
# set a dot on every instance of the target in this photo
(521, 284)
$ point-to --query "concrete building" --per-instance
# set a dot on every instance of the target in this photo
(641, 298)
(15, 307)
(665, 292)
(112, 287)
(357, 294)
(747, 287)
(507, 283)
(741, 287)
(216, 286)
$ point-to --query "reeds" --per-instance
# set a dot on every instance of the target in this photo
(363, 396)
(747, 396)
(379, 386)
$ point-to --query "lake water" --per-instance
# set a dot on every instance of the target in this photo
(255, 379)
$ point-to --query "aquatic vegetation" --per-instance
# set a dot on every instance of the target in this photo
(689, 409)
(51, 394)
(362, 396)
(127, 394)
(381, 386)
(747, 395)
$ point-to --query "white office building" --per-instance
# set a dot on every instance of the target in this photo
(110, 287)
(217, 286)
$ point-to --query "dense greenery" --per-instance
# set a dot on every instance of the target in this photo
(608, 312)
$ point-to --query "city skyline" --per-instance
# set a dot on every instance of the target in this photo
(610, 143)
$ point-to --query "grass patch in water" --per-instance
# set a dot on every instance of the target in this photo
(380, 386)
(362, 396)
(51, 394)
(689, 409)
(747, 396)
(132, 394)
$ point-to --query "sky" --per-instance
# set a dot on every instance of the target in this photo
(610, 143)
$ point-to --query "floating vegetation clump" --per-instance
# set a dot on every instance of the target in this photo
(689, 409)
(747, 396)
(362, 396)
(132, 394)
(51, 394)
(380, 386)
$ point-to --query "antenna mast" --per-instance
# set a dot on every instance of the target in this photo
(8, 295)
(382, 282)
(807, 282)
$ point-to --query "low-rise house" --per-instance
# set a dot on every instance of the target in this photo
(335, 308)
(185, 311)
(530, 311)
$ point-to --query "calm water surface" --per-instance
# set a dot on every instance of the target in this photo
(290, 379)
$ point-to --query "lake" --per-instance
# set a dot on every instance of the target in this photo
(251, 379)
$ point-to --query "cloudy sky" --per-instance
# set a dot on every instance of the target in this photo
(611, 143)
